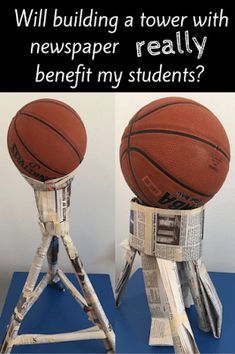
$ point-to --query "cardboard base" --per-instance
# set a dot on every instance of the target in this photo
(56, 312)
(132, 319)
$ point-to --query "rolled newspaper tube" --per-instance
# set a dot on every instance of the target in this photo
(181, 331)
(26, 298)
(92, 333)
(160, 332)
(210, 298)
(193, 281)
(130, 254)
(97, 315)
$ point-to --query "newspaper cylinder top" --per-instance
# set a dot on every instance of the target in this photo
(46, 139)
(174, 154)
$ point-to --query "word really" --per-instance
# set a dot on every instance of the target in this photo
(181, 44)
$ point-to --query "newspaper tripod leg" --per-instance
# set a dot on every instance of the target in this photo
(29, 295)
(206, 300)
(96, 312)
(126, 272)
(160, 330)
(170, 325)
(181, 331)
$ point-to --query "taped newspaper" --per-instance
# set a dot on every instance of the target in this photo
(169, 234)
(206, 299)
(182, 334)
(53, 203)
(160, 333)
(53, 198)
(177, 234)
(170, 325)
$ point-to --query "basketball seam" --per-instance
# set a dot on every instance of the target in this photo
(55, 130)
(48, 100)
(135, 181)
(141, 152)
(36, 158)
(175, 132)
(166, 105)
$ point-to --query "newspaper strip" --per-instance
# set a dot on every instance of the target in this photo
(207, 296)
(181, 331)
(126, 272)
(51, 184)
(160, 332)
(168, 234)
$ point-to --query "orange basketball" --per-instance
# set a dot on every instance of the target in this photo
(174, 154)
(46, 139)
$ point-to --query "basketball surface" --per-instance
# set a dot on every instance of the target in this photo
(46, 139)
(174, 154)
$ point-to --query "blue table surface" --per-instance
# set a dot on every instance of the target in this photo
(55, 312)
(132, 319)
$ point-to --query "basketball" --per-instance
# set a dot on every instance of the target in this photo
(46, 139)
(174, 154)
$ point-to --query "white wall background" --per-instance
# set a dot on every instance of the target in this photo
(92, 224)
(219, 239)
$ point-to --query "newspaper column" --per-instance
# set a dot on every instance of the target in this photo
(53, 203)
(170, 244)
